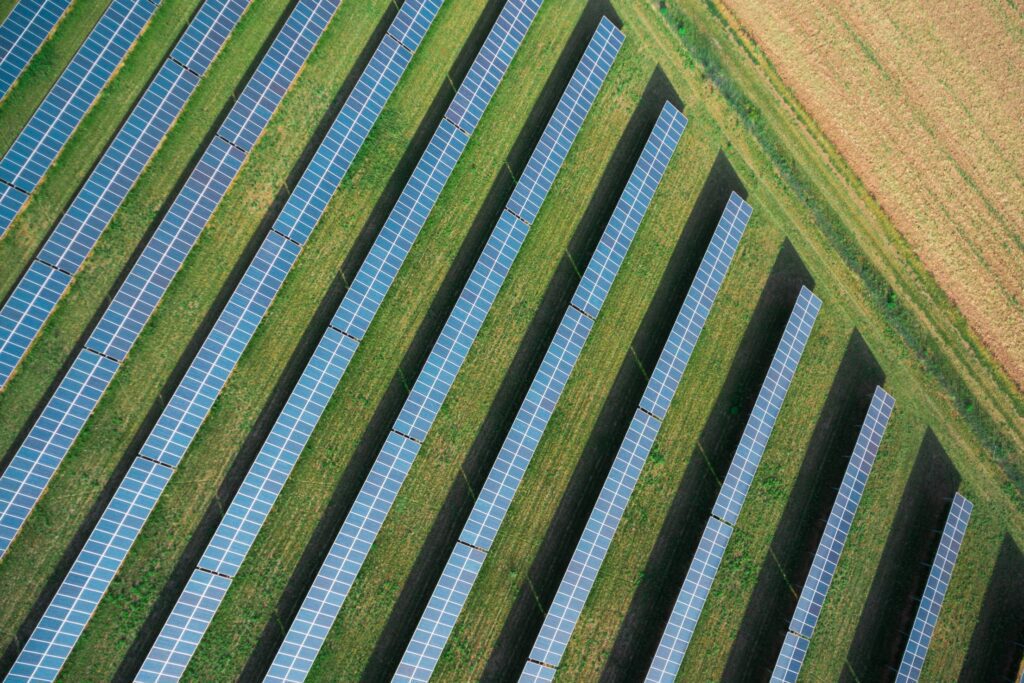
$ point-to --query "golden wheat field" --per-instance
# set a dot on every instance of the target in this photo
(926, 102)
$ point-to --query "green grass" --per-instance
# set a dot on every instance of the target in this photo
(801, 191)
(87, 143)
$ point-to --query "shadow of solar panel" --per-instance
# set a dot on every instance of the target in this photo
(679, 346)
(121, 165)
(51, 436)
(935, 590)
(76, 599)
(766, 409)
(22, 34)
(207, 33)
(152, 273)
(73, 94)
(276, 72)
(686, 613)
(381, 265)
(697, 585)
(491, 63)
(25, 311)
(206, 376)
(184, 628)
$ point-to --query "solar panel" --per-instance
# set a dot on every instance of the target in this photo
(412, 21)
(207, 33)
(701, 575)
(11, 201)
(122, 163)
(935, 590)
(206, 376)
(79, 594)
(766, 409)
(22, 34)
(152, 273)
(666, 376)
(565, 610)
(49, 440)
(826, 558)
(491, 63)
(374, 501)
(63, 108)
(25, 310)
(276, 72)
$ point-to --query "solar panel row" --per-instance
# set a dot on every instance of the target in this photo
(830, 547)
(64, 107)
(478, 534)
(194, 397)
(107, 186)
(359, 530)
(579, 577)
(22, 34)
(138, 296)
(711, 549)
(935, 590)
(151, 274)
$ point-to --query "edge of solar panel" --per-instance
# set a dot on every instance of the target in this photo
(249, 507)
(745, 462)
(682, 338)
(690, 601)
(27, 160)
(34, 29)
(935, 590)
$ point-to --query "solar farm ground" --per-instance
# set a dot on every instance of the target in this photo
(957, 423)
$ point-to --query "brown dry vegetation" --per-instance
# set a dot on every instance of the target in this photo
(926, 102)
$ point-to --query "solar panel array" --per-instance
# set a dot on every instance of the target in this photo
(64, 107)
(194, 397)
(711, 548)
(134, 303)
(579, 577)
(830, 547)
(358, 532)
(22, 34)
(136, 299)
(935, 590)
(449, 596)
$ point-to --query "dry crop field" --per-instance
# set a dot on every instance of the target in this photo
(837, 208)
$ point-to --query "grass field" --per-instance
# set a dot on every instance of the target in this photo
(813, 221)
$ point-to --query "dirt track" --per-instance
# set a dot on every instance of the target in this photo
(926, 102)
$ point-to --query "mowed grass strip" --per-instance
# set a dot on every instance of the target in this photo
(193, 492)
(86, 145)
(136, 389)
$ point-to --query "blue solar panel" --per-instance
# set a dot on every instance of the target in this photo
(412, 21)
(371, 283)
(192, 400)
(152, 273)
(686, 612)
(22, 34)
(665, 378)
(207, 33)
(67, 614)
(118, 169)
(766, 409)
(935, 590)
(701, 574)
(24, 312)
(575, 586)
(491, 63)
(74, 93)
(830, 547)
(276, 72)
(48, 442)
(290, 433)
(11, 201)
(179, 637)
(633, 204)
(463, 324)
